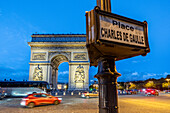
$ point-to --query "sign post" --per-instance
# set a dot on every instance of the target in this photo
(107, 77)
(111, 37)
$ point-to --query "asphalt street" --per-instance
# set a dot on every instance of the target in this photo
(76, 104)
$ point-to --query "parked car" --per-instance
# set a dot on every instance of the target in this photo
(87, 94)
(153, 92)
(39, 99)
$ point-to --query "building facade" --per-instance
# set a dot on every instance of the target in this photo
(48, 51)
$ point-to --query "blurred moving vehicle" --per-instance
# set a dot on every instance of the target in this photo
(89, 94)
(134, 91)
(150, 92)
(21, 88)
(167, 91)
(36, 99)
(22, 92)
(2, 94)
(128, 92)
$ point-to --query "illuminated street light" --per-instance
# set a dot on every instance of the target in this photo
(65, 87)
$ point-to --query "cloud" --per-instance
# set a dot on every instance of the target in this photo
(63, 76)
(10, 67)
(63, 72)
(138, 61)
(135, 73)
(135, 61)
(136, 76)
(165, 74)
(149, 75)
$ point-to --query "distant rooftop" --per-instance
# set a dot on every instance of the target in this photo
(58, 37)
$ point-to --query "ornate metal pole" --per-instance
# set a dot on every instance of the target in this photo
(107, 77)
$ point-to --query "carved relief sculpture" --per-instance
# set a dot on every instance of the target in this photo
(79, 56)
(79, 74)
(38, 74)
(38, 56)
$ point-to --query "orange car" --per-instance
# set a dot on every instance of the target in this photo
(39, 99)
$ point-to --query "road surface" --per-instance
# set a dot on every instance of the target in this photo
(76, 104)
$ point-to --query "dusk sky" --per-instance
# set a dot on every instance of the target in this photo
(19, 19)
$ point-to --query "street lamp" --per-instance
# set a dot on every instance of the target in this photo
(65, 87)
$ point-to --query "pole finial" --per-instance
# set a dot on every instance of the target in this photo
(104, 5)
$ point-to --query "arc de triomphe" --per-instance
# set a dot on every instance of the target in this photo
(48, 51)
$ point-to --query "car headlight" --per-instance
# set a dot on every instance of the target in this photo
(59, 98)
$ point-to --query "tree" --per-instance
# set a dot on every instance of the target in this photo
(132, 86)
(150, 84)
(120, 87)
(165, 85)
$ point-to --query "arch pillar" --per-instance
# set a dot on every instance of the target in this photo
(78, 76)
(54, 77)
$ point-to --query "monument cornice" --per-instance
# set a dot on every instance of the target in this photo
(39, 63)
(79, 63)
(58, 35)
(53, 44)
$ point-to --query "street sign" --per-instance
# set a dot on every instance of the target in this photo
(120, 31)
(115, 35)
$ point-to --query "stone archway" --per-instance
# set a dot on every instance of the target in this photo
(48, 51)
(55, 62)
